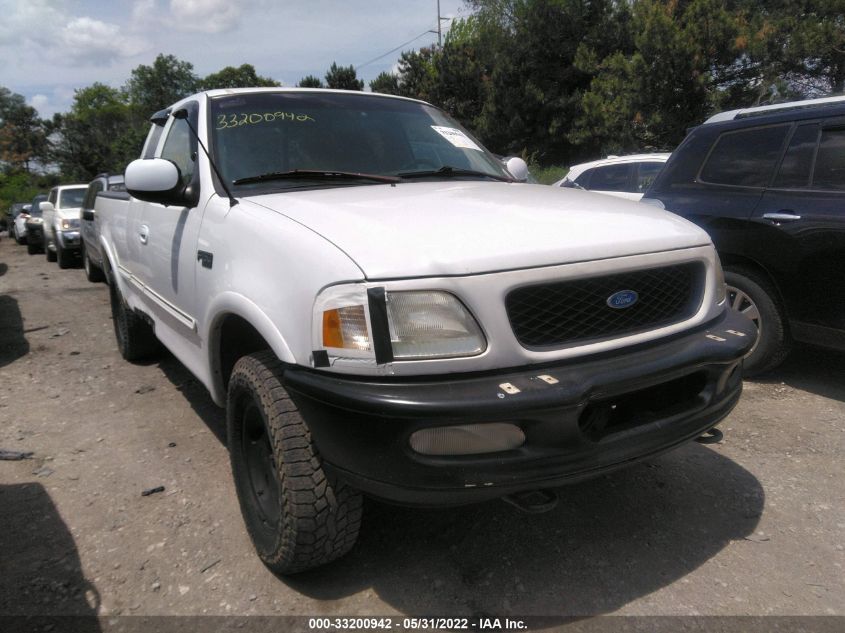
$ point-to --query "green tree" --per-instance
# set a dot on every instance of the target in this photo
(310, 81)
(343, 78)
(22, 133)
(386, 83)
(417, 74)
(244, 76)
(151, 88)
(97, 134)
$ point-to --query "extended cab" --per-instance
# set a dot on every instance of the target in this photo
(383, 308)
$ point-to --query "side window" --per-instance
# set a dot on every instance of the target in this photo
(584, 179)
(830, 161)
(745, 158)
(646, 173)
(91, 194)
(798, 161)
(152, 141)
(611, 178)
(177, 148)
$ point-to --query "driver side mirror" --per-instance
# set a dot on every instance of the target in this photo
(47, 207)
(518, 168)
(155, 180)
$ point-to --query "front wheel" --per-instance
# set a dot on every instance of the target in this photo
(31, 248)
(64, 257)
(298, 516)
(752, 295)
(51, 255)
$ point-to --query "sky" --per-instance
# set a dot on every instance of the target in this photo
(49, 48)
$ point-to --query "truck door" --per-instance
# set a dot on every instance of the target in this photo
(802, 218)
(167, 235)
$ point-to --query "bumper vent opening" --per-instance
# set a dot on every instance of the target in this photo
(576, 311)
(612, 415)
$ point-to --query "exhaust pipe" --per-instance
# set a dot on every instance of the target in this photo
(533, 501)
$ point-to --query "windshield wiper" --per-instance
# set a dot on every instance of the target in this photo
(450, 171)
(320, 174)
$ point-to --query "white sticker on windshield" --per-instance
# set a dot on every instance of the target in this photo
(456, 137)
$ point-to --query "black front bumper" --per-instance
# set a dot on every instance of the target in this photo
(604, 412)
(35, 233)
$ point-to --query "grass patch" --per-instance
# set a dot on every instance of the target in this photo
(548, 175)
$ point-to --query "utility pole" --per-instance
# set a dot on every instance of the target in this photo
(439, 30)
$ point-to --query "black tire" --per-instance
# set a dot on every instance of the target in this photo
(751, 294)
(51, 255)
(64, 257)
(92, 272)
(135, 337)
(298, 516)
(31, 248)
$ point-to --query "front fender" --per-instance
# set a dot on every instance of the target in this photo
(232, 303)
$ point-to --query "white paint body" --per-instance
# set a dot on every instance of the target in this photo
(274, 254)
(56, 211)
(577, 170)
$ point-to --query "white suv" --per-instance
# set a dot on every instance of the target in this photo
(61, 223)
(621, 176)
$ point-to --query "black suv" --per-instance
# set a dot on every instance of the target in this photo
(768, 185)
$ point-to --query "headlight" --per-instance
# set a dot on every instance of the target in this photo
(431, 325)
(721, 288)
(72, 223)
(355, 323)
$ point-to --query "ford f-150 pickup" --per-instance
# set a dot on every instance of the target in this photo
(383, 308)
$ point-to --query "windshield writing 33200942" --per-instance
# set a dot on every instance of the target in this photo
(225, 121)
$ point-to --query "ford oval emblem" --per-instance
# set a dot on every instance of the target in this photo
(622, 299)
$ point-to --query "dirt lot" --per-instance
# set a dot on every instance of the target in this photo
(753, 525)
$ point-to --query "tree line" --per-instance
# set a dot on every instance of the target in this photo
(555, 81)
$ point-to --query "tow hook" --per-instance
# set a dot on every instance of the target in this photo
(713, 436)
(533, 501)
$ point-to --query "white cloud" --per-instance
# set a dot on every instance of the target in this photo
(85, 40)
(40, 102)
(47, 31)
(207, 16)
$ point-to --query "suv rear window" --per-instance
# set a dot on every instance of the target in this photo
(745, 158)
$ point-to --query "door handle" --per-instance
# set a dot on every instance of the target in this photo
(144, 234)
(781, 216)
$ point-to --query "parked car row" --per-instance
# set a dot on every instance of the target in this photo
(59, 222)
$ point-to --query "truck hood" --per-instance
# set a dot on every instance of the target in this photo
(69, 213)
(426, 229)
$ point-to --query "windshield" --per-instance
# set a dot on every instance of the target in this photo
(71, 198)
(35, 210)
(278, 133)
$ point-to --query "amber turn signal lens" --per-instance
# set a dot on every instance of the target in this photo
(332, 335)
(346, 328)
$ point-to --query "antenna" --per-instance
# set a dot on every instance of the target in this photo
(182, 113)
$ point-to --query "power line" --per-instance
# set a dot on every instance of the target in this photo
(393, 50)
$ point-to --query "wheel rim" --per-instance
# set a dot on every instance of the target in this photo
(257, 453)
(740, 302)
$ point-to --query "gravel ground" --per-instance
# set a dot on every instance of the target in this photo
(754, 525)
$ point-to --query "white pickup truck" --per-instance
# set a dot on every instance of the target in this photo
(383, 308)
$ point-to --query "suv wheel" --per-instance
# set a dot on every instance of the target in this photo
(31, 248)
(92, 273)
(51, 255)
(135, 338)
(298, 516)
(751, 295)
